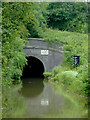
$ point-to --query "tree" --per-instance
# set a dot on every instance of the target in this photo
(69, 16)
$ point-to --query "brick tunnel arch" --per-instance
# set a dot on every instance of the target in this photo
(34, 67)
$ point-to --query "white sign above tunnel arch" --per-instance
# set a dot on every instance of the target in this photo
(44, 52)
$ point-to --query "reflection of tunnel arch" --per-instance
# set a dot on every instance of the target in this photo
(34, 67)
(32, 87)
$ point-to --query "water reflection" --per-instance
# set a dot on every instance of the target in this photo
(40, 98)
(32, 87)
(43, 102)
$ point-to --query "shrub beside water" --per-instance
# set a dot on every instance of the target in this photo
(72, 80)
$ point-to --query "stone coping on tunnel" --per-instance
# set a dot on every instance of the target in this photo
(43, 40)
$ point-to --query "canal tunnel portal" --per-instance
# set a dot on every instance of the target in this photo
(42, 56)
(33, 68)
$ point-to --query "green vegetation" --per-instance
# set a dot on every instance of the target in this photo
(47, 73)
(19, 21)
(72, 16)
(63, 23)
(74, 44)
(70, 80)
(66, 77)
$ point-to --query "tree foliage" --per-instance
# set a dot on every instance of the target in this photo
(19, 20)
(69, 16)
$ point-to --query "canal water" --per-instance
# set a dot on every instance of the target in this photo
(43, 102)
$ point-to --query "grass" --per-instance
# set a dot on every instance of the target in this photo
(55, 35)
(47, 73)
(74, 44)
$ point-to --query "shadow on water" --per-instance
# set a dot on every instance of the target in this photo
(32, 87)
(32, 78)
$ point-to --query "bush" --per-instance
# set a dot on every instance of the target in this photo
(83, 76)
(78, 87)
(68, 77)
(74, 81)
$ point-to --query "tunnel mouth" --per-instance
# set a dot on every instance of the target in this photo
(33, 68)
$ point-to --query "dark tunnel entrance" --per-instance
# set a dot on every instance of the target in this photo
(34, 68)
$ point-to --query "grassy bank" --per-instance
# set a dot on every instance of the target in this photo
(74, 81)
(65, 78)
(74, 44)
